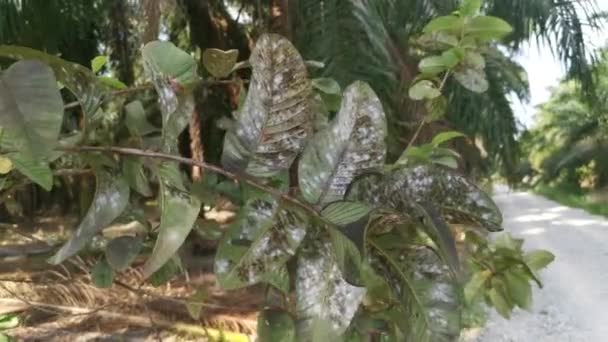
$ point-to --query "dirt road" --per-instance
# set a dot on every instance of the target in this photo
(573, 306)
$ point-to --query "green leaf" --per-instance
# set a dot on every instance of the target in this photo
(195, 303)
(220, 63)
(102, 274)
(440, 233)
(322, 294)
(258, 244)
(342, 213)
(470, 7)
(433, 65)
(436, 108)
(474, 286)
(110, 200)
(500, 303)
(444, 137)
(179, 211)
(164, 59)
(9, 321)
(32, 109)
(451, 58)
(38, 171)
(352, 145)
(133, 172)
(78, 79)
(98, 62)
(448, 23)
(122, 251)
(276, 118)
(424, 89)
(327, 85)
(539, 259)
(111, 82)
(136, 119)
(487, 28)
(6, 165)
(472, 79)
(429, 298)
(276, 325)
(167, 272)
(519, 288)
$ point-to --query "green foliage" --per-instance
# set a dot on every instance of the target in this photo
(368, 242)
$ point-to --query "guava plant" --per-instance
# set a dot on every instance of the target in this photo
(353, 247)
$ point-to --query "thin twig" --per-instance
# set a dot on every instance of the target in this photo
(209, 167)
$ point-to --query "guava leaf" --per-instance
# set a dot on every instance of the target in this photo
(421, 283)
(121, 251)
(179, 211)
(110, 200)
(353, 144)
(259, 243)
(220, 63)
(322, 294)
(276, 118)
(78, 79)
(32, 109)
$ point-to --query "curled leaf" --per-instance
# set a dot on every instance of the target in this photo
(352, 145)
(110, 200)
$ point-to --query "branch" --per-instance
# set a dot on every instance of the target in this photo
(209, 167)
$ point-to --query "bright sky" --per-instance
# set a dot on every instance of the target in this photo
(545, 71)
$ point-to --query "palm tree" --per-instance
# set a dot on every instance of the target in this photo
(374, 41)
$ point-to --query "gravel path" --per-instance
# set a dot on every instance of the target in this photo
(573, 306)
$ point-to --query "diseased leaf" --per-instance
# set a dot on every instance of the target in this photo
(78, 79)
(32, 109)
(102, 274)
(276, 118)
(121, 251)
(322, 294)
(276, 325)
(429, 298)
(179, 210)
(472, 79)
(259, 243)
(458, 199)
(110, 200)
(220, 63)
(352, 145)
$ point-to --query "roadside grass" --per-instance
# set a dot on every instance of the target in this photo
(572, 199)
